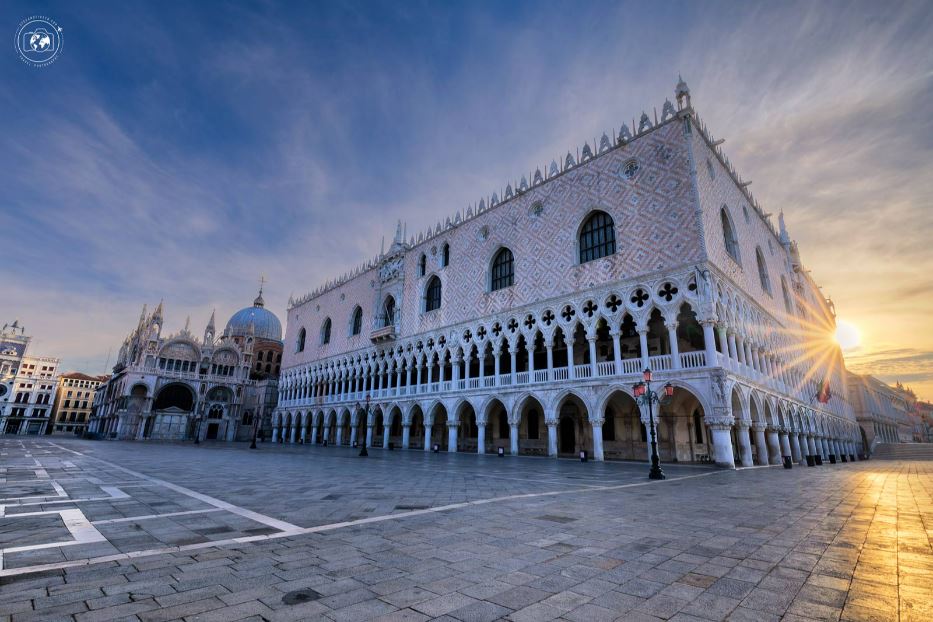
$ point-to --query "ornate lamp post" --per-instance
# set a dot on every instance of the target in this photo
(363, 451)
(644, 396)
(256, 425)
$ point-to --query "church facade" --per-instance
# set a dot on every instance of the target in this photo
(177, 387)
(523, 322)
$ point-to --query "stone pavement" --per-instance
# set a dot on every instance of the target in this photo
(142, 531)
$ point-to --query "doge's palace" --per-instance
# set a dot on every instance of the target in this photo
(523, 321)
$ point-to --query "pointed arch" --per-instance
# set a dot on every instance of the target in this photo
(597, 237)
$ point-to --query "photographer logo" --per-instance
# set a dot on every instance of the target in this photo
(38, 40)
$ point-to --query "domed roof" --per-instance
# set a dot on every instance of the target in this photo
(265, 324)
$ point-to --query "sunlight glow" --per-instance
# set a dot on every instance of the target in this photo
(847, 335)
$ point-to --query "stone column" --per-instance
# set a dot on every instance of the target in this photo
(369, 434)
(825, 446)
(480, 437)
(275, 432)
(513, 438)
(571, 372)
(722, 445)
(406, 435)
(774, 447)
(339, 440)
(744, 442)
(675, 347)
(352, 435)
(794, 447)
(760, 443)
(811, 445)
(643, 343)
(452, 427)
(512, 354)
(418, 367)
(709, 342)
(616, 352)
(386, 430)
(552, 439)
(427, 435)
(733, 353)
(314, 438)
(785, 445)
(597, 440)
(549, 347)
(304, 430)
(592, 344)
(496, 364)
(294, 432)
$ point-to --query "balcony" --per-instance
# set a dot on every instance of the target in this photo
(383, 334)
(631, 368)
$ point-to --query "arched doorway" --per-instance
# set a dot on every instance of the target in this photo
(497, 427)
(532, 429)
(682, 432)
(623, 437)
(439, 428)
(416, 432)
(574, 433)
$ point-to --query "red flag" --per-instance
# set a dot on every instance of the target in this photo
(825, 392)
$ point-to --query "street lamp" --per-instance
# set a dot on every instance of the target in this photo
(644, 396)
(256, 425)
(363, 451)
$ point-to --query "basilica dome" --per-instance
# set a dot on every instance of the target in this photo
(265, 324)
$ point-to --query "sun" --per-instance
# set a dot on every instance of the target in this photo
(847, 335)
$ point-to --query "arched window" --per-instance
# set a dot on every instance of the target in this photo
(597, 238)
(423, 265)
(445, 257)
(325, 332)
(357, 325)
(503, 270)
(432, 295)
(388, 312)
(763, 271)
(728, 235)
(301, 341)
(787, 303)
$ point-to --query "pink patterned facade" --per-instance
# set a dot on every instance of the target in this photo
(424, 347)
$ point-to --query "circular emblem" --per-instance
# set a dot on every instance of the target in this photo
(38, 40)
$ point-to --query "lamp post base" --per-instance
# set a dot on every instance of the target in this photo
(656, 473)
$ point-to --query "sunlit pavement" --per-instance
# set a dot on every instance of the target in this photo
(120, 530)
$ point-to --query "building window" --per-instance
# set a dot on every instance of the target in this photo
(597, 238)
(388, 312)
(325, 332)
(432, 297)
(445, 256)
(357, 325)
(503, 270)
(763, 271)
(728, 235)
(301, 342)
(422, 265)
(787, 303)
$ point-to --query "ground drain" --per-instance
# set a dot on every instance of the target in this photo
(300, 596)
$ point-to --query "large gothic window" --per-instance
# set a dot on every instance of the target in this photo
(357, 325)
(432, 296)
(301, 342)
(728, 235)
(787, 302)
(388, 312)
(503, 270)
(597, 238)
(763, 271)
(325, 332)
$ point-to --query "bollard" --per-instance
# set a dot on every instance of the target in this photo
(501, 452)
(583, 456)
(811, 461)
(788, 462)
(844, 458)
(851, 457)
(832, 458)
(436, 448)
(819, 459)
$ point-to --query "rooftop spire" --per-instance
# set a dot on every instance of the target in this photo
(259, 302)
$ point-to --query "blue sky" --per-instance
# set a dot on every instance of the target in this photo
(178, 150)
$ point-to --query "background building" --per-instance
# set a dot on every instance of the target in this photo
(27, 384)
(524, 320)
(883, 412)
(74, 400)
(180, 387)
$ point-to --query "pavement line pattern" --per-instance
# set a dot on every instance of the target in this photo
(127, 519)
(290, 530)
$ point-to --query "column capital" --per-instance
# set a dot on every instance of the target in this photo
(719, 419)
(671, 325)
(742, 424)
(759, 426)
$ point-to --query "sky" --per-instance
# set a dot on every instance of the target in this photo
(180, 150)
